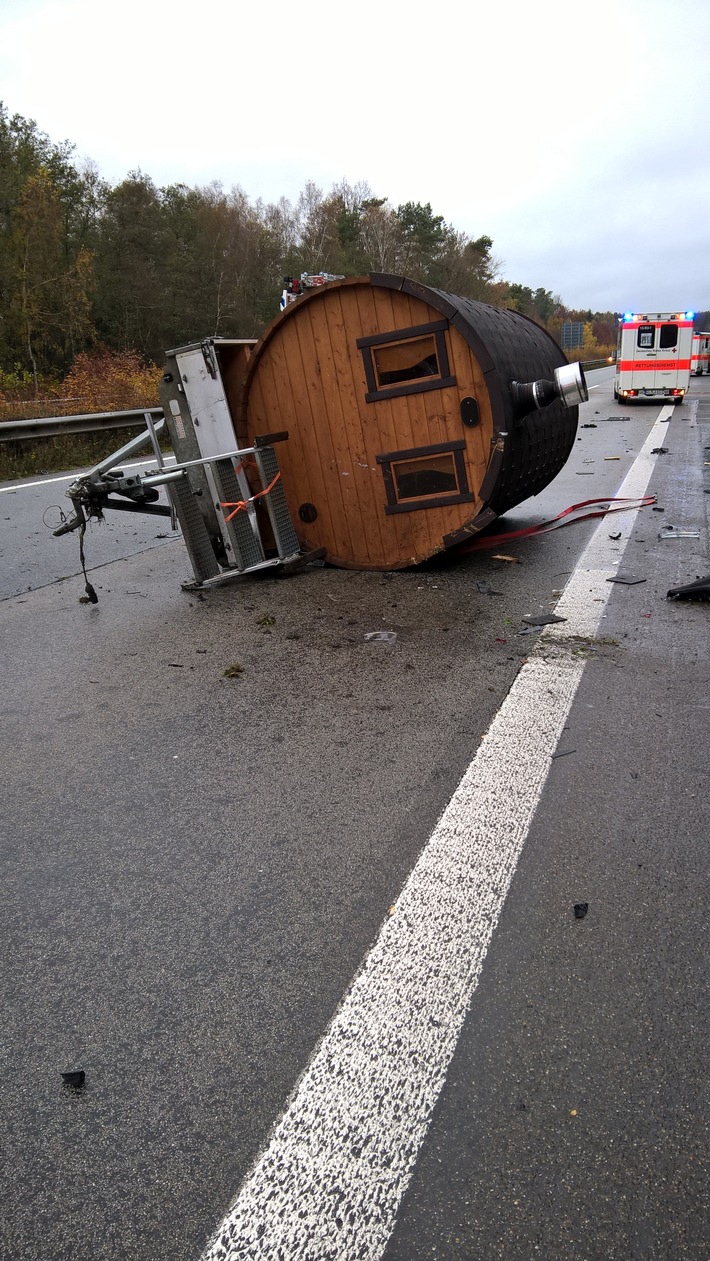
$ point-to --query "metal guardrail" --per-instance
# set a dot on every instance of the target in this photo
(55, 426)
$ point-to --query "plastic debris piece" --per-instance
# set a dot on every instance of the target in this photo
(657, 509)
(615, 418)
(530, 630)
(628, 580)
(233, 671)
(659, 450)
(75, 1079)
(612, 457)
(543, 619)
(580, 909)
(381, 637)
(673, 532)
(698, 590)
(590, 425)
(615, 536)
(485, 588)
(564, 753)
(511, 560)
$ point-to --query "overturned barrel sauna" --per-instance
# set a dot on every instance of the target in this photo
(414, 417)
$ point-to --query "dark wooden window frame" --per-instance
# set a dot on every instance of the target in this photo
(375, 392)
(460, 496)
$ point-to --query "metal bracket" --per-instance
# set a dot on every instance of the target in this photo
(209, 357)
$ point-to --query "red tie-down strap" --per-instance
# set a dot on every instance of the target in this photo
(576, 512)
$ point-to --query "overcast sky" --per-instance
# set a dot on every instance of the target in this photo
(577, 136)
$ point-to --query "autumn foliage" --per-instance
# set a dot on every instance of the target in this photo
(98, 381)
(112, 381)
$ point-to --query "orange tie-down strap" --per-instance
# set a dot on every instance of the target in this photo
(241, 504)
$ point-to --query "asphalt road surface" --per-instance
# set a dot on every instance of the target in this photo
(309, 930)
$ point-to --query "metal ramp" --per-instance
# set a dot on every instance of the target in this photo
(234, 546)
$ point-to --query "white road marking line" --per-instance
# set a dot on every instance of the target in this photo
(331, 1179)
(71, 477)
(588, 583)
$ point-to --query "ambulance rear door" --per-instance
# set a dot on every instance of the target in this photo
(668, 356)
(644, 357)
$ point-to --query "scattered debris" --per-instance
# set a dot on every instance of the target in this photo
(614, 537)
(500, 641)
(486, 589)
(266, 620)
(588, 426)
(74, 1079)
(564, 753)
(511, 560)
(699, 590)
(233, 671)
(615, 418)
(628, 580)
(176, 665)
(674, 532)
(530, 630)
(580, 909)
(381, 637)
(657, 509)
(612, 457)
(659, 450)
(543, 619)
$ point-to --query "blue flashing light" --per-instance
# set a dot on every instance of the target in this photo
(628, 315)
(690, 315)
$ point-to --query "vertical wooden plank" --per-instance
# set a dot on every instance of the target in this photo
(271, 409)
(302, 469)
(338, 333)
(316, 436)
(332, 422)
(380, 429)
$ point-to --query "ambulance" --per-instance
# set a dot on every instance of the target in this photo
(700, 358)
(653, 355)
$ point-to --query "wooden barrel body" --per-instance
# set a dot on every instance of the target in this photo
(396, 398)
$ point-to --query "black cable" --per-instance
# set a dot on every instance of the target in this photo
(87, 587)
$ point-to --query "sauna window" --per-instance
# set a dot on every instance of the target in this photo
(433, 475)
(425, 477)
(407, 361)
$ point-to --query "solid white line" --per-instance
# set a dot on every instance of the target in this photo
(71, 477)
(333, 1174)
(589, 584)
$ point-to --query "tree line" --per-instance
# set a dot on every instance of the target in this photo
(87, 266)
